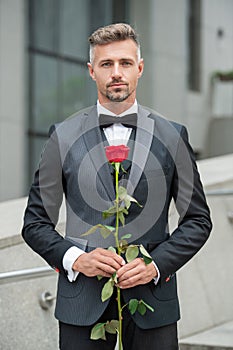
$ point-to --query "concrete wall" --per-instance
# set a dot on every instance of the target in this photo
(217, 54)
(205, 283)
(162, 25)
(12, 98)
(163, 29)
(220, 136)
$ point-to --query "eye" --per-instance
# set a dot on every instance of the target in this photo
(106, 64)
(126, 63)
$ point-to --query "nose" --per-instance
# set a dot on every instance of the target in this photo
(116, 71)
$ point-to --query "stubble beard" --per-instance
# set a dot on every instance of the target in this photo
(118, 95)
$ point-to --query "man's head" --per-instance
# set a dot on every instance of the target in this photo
(111, 33)
(115, 63)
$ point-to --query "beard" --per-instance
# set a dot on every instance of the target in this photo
(118, 95)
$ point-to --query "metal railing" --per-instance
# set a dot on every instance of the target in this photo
(222, 192)
(219, 192)
(46, 298)
(20, 275)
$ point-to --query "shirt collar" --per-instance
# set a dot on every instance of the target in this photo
(102, 110)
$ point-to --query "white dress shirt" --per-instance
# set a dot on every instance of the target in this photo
(117, 134)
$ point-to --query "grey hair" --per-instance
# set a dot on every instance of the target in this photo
(111, 33)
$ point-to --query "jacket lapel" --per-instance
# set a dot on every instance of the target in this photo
(144, 137)
(95, 146)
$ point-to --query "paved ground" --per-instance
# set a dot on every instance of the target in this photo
(217, 338)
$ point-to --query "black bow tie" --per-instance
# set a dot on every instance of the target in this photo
(129, 120)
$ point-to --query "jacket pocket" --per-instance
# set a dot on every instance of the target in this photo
(70, 289)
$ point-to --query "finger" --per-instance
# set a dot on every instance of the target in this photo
(111, 264)
(107, 253)
(131, 275)
(143, 276)
(91, 264)
(129, 269)
(131, 282)
(103, 273)
(106, 268)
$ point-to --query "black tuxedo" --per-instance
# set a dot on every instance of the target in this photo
(161, 167)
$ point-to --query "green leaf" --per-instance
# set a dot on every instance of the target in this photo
(133, 305)
(121, 218)
(105, 232)
(92, 230)
(122, 168)
(147, 261)
(112, 249)
(131, 199)
(98, 332)
(112, 327)
(122, 192)
(110, 228)
(114, 278)
(99, 277)
(146, 256)
(147, 306)
(123, 244)
(127, 236)
(131, 253)
(107, 290)
(127, 203)
(141, 308)
(124, 210)
(126, 197)
(144, 251)
(109, 212)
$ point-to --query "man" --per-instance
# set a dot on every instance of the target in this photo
(161, 166)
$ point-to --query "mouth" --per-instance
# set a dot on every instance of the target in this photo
(117, 85)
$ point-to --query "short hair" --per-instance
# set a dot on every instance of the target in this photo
(111, 33)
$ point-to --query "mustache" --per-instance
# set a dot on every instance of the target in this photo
(116, 81)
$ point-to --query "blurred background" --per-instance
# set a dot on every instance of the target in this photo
(187, 46)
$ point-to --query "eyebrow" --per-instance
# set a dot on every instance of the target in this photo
(111, 60)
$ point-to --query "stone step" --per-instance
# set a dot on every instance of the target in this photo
(203, 347)
(217, 338)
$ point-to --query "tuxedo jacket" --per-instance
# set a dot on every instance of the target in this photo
(161, 167)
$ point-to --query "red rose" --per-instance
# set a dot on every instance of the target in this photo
(116, 154)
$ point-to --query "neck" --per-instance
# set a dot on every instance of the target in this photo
(117, 107)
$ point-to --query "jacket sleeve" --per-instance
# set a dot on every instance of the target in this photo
(194, 224)
(44, 201)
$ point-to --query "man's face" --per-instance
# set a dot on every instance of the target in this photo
(116, 70)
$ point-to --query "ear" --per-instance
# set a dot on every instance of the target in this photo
(91, 70)
(140, 67)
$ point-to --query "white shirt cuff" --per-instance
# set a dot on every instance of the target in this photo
(156, 279)
(69, 258)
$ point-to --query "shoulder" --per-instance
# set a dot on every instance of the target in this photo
(71, 124)
(162, 124)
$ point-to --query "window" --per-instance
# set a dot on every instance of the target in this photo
(194, 45)
(59, 82)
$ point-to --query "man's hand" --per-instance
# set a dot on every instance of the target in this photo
(98, 262)
(135, 273)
